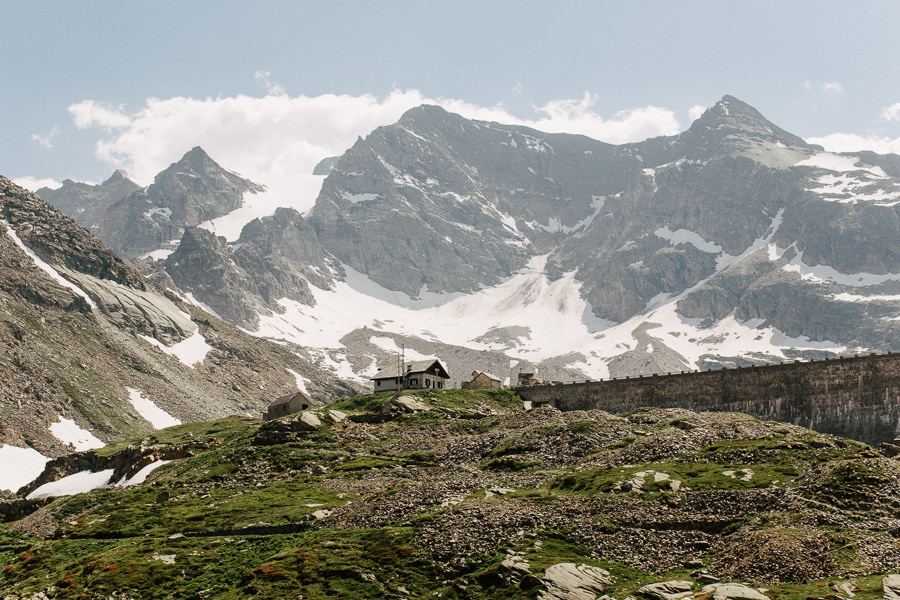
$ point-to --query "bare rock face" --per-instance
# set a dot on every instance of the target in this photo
(667, 590)
(192, 190)
(441, 202)
(404, 405)
(203, 265)
(568, 581)
(275, 258)
(87, 203)
(733, 591)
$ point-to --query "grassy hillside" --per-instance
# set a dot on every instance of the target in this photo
(469, 497)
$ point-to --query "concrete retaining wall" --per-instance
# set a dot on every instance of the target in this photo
(855, 397)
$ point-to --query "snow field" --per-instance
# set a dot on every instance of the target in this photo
(73, 484)
(145, 407)
(294, 190)
(189, 351)
(68, 432)
(19, 466)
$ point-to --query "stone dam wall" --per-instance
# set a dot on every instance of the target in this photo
(855, 397)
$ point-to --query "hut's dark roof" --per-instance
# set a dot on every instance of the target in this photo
(418, 366)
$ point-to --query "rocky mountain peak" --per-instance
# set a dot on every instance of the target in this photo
(198, 163)
(193, 190)
(425, 112)
(118, 176)
(733, 117)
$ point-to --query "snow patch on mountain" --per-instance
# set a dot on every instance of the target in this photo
(189, 351)
(141, 476)
(53, 273)
(162, 211)
(145, 407)
(845, 297)
(282, 191)
(840, 164)
(68, 432)
(356, 198)
(824, 273)
(390, 345)
(683, 236)
(558, 318)
(78, 483)
(300, 379)
(19, 466)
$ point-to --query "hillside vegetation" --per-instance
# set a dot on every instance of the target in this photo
(454, 494)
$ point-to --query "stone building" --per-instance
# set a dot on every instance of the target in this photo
(417, 375)
(288, 405)
(482, 381)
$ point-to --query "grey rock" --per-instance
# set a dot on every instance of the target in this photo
(891, 586)
(733, 591)
(326, 165)
(667, 590)
(87, 203)
(404, 405)
(310, 420)
(568, 581)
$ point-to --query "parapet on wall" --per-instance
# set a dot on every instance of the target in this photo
(855, 397)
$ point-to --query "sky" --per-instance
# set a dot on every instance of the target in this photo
(270, 88)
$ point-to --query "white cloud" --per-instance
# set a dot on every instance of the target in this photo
(34, 184)
(577, 116)
(517, 89)
(696, 111)
(832, 87)
(272, 88)
(45, 140)
(891, 113)
(852, 142)
(90, 114)
(282, 134)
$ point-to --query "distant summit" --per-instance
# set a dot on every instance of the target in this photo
(190, 191)
(87, 203)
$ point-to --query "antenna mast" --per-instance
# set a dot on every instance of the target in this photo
(402, 365)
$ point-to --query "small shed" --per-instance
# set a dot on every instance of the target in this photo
(418, 375)
(483, 381)
(528, 378)
(288, 405)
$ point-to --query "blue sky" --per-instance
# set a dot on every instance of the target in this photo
(270, 87)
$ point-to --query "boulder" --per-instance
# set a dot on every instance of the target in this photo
(667, 590)
(891, 585)
(568, 581)
(404, 405)
(310, 419)
(733, 591)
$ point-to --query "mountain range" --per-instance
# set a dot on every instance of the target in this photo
(503, 248)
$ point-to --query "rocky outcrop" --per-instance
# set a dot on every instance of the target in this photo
(569, 581)
(667, 590)
(891, 586)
